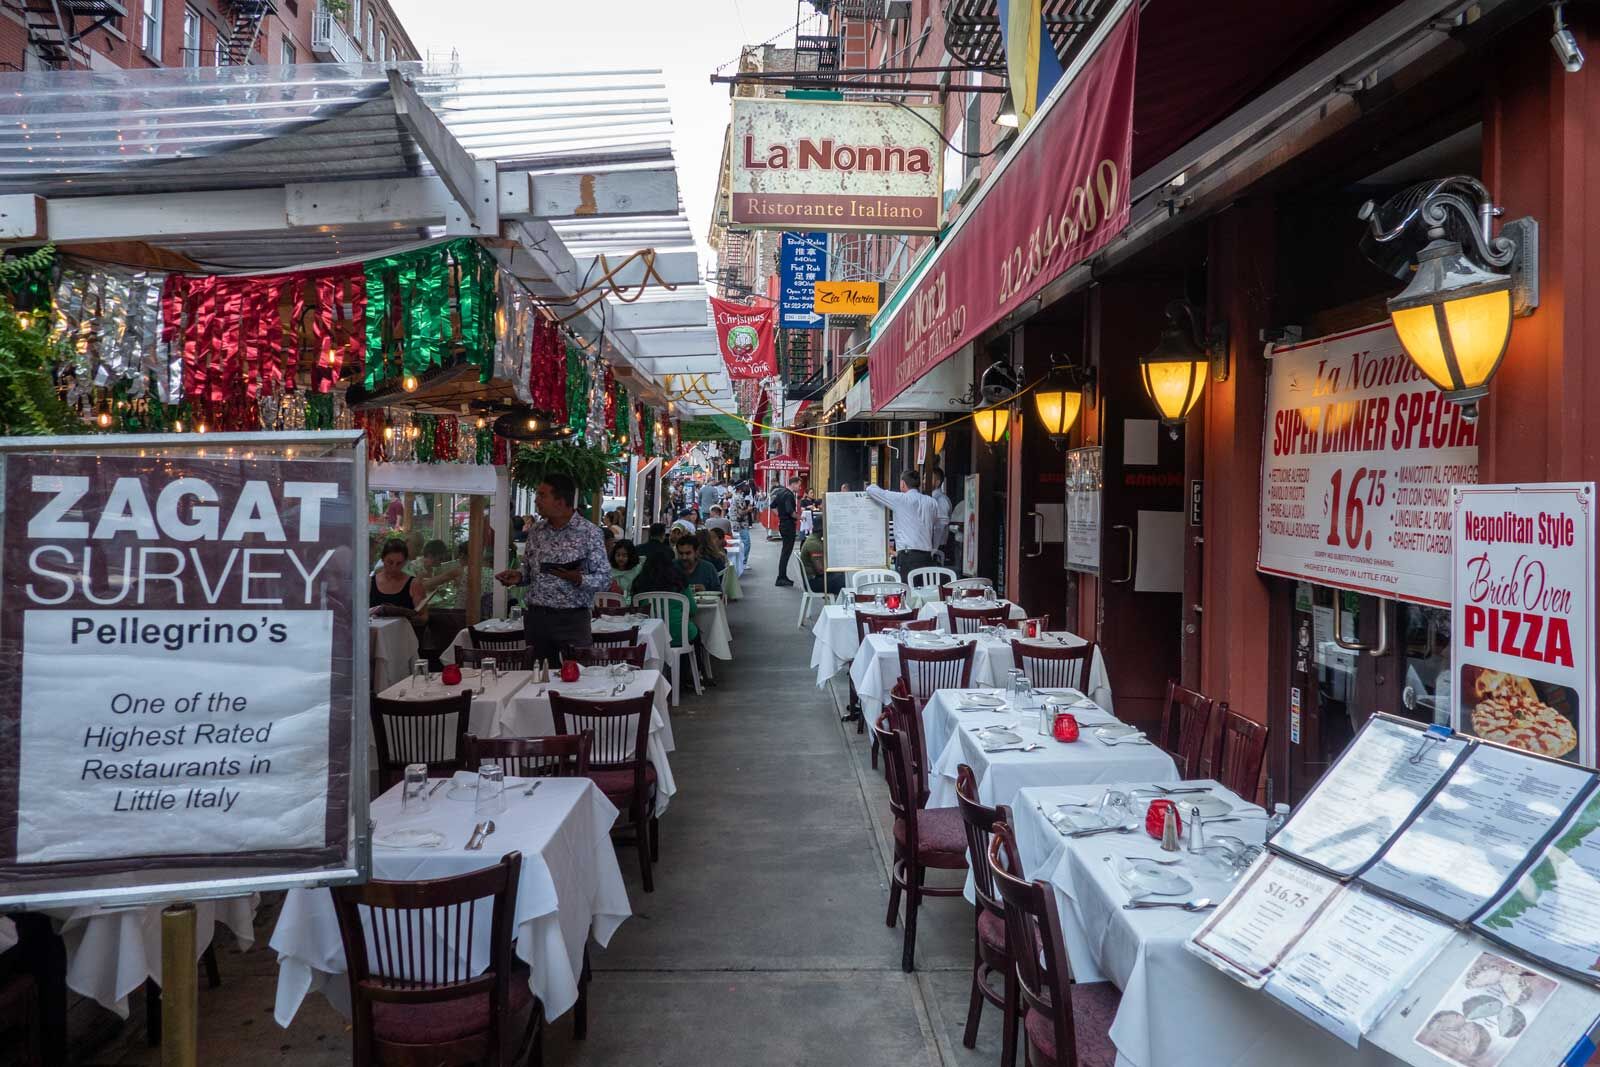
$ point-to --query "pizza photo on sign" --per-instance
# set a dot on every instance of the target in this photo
(1538, 717)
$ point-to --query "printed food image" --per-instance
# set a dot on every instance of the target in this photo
(1483, 1013)
(1512, 710)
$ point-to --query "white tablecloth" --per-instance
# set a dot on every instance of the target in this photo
(570, 889)
(1086, 761)
(735, 549)
(834, 642)
(488, 707)
(937, 610)
(876, 666)
(393, 650)
(711, 615)
(528, 715)
(111, 952)
(652, 635)
(1176, 1011)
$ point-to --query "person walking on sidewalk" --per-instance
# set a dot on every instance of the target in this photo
(563, 567)
(914, 517)
(786, 502)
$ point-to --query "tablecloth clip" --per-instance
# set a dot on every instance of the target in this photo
(1434, 734)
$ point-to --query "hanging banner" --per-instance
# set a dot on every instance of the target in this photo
(1061, 197)
(802, 262)
(835, 165)
(1522, 589)
(969, 528)
(746, 336)
(1359, 454)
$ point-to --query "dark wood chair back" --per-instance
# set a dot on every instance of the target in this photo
(888, 620)
(620, 638)
(505, 659)
(481, 638)
(1044, 974)
(606, 655)
(1185, 724)
(558, 756)
(971, 620)
(979, 820)
(410, 945)
(420, 731)
(930, 625)
(1239, 752)
(898, 772)
(905, 716)
(621, 729)
(1054, 666)
(928, 669)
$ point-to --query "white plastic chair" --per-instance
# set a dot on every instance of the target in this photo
(925, 582)
(659, 605)
(871, 574)
(807, 597)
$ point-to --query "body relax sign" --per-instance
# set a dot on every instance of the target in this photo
(176, 688)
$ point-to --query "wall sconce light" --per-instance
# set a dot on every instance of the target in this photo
(1454, 316)
(1059, 398)
(992, 423)
(1008, 112)
(1175, 372)
(938, 441)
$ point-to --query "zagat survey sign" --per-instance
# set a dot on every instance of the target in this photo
(177, 659)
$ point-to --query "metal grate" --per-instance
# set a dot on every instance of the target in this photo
(820, 54)
(972, 29)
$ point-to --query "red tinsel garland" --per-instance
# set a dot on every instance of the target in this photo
(547, 371)
(611, 399)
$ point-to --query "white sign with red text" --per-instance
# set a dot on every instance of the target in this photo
(1358, 457)
(1521, 646)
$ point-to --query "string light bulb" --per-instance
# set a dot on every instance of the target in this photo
(177, 426)
(24, 320)
(103, 419)
(201, 428)
(482, 423)
(409, 383)
(388, 433)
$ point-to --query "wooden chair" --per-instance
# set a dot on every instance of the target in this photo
(502, 641)
(619, 763)
(927, 670)
(505, 659)
(991, 948)
(877, 622)
(420, 731)
(930, 625)
(971, 620)
(1238, 753)
(558, 756)
(1063, 1018)
(924, 839)
(905, 716)
(416, 993)
(964, 587)
(1185, 725)
(1054, 666)
(617, 639)
(606, 655)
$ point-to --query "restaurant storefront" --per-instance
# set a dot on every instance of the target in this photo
(1244, 247)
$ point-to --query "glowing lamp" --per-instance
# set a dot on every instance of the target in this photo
(1454, 321)
(991, 423)
(1174, 373)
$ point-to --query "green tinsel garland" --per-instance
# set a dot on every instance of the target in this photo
(413, 308)
(319, 411)
(577, 388)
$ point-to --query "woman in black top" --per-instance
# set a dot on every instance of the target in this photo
(393, 591)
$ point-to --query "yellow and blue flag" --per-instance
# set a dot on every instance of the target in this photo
(1031, 62)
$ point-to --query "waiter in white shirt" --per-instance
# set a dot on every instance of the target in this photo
(914, 517)
(941, 506)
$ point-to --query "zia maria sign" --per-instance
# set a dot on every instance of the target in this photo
(832, 165)
(1521, 650)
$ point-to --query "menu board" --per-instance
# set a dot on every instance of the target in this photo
(1083, 510)
(1359, 453)
(1367, 795)
(1553, 912)
(1478, 829)
(1252, 930)
(857, 532)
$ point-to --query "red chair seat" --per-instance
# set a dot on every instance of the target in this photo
(992, 930)
(1094, 1008)
(449, 1020)
(941, 838)
(617, 785)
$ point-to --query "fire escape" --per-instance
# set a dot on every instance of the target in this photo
(245, 27)
(55, 26)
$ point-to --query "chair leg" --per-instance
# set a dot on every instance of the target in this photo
(641, 831)
(694, 670)
(677, 669)
(894, 897)
(213, 973)
(969, 1036)
(1011, 1017)
(152, 1013)
(655, 839)
(913, 901)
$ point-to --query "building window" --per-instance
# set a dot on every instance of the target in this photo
(287, 52)
(219, 50)
(191, 37)
(355, 17)
(368, 38)
(383, 44)
(150, 28)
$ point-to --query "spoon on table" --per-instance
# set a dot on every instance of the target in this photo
(528, 792)
(488, 828)
(1202, 904)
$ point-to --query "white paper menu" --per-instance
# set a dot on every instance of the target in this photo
(1266, 913)
(1352, 962)
(1367, 795)
(1477, 830)
(1553, 912)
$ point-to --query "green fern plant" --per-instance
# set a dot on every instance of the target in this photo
(588, 467)
(30, 406)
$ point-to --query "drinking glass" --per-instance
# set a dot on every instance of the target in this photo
(488, 671)
(491, 789)
(419, 674)
(1114, 807)
(414, 791)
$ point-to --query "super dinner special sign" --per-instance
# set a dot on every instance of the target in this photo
(176, 674)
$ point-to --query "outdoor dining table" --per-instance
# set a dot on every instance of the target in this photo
(834, 641)
(711, 615)
(730, 582)
(488, 707)
(1176, 1011)
(652, 635)
(938, 610)
(876, 665)
(1087, 761)
(570, 891)
(393, 650)
(736, 556)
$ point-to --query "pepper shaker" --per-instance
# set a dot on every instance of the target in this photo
(1169, 828)
(1197, 836)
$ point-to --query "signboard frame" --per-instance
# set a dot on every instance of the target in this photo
(148, 880)
(801, 251)
(1081, 530)
(829, 510)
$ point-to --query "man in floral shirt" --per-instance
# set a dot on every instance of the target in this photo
(563, 567)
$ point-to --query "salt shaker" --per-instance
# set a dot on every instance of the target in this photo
(1197, 836)
(1169, 829)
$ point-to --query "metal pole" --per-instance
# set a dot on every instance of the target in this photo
(180, 980)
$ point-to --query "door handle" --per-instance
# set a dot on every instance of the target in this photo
(1038, 536)
(1356, 646)
(1129, 576)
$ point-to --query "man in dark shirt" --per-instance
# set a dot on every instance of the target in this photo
(698, 573)
(656, 545)
(785, 501)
